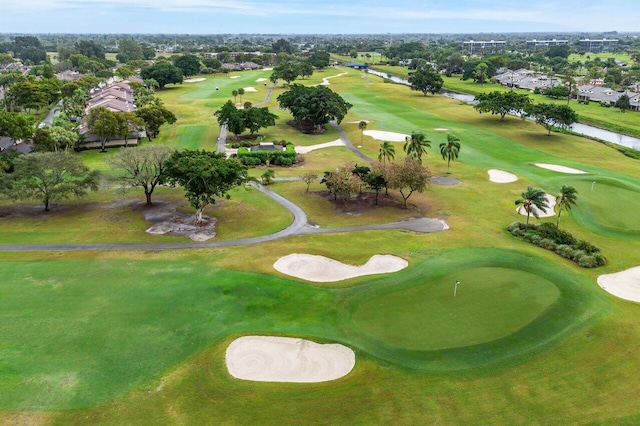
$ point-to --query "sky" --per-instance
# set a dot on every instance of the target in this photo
(317, 16)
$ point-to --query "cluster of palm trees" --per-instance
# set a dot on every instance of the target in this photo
(416, 145)
(534, 197)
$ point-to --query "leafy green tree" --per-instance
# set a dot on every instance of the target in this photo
(416, 145)
(343, 183)
(204, 176)
(318, 105)
(309, 178)
(287, 71)
(240, 93)
(533, 197)
(568, 197)
(376, 181)
(104, 124)
(407, 177)
(551, 115)
(267, 177)
(450, 149)
(258, 118)
(62, 138)
(386, 152)
(501, 103)
(15, 125)
(141, 167)
(320, 60)
(305, 69)
(128, 122)
(362, 126)
(623, 103)
(163, 72)
(481, 73)
(282, 45)
(153, 116)
(189, 64)
(426, 81)
(557, 92)
(129, 50)
(50, 177)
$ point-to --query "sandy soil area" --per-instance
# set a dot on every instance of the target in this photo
(250, 89)
(500, 176)
(624, 284)
(440, 129)
(194, 80)
(561, 169)
(321, 269)
(286, 359)
(386, 136)
(235, 76)
(548, 212)
(260, 80)
(307, 149)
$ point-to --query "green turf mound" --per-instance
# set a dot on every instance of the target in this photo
(508, 304)
(491, 303)
(611, 207)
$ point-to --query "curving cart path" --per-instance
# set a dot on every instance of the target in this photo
(299, 226)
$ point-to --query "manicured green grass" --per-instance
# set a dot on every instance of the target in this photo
(492, 303)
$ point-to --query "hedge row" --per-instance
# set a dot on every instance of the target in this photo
(548, 236)
(277, 158)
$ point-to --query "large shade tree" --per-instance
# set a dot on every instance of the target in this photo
(49, 177)
(533, 200)
(141, 167)
(163, 72)
(318, 105)
(204, 176)
(104, 124)
(502, 103)
(407, 177)
(426, 81)
(153, 116)
(552, 115)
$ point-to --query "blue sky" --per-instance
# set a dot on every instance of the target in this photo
(317, 16)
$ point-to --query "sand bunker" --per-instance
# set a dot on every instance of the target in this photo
(286, 359)
(500, 176)
(235, 76)
(321, 269)
(561, 169)
(624, 284)
(386, 136)
(250, 89)
(194, 80)
(260, 80)
(548, 212)
(440, 129)
(307, 149)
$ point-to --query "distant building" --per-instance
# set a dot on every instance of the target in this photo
(491, 46)
(536, 44)
(608, 96)
(356, 65)
(526, 79)
(604, 45)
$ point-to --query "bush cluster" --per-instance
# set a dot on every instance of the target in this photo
(274, 158)
(549, 237)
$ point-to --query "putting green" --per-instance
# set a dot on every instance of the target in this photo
(490, 303)
(611, 207)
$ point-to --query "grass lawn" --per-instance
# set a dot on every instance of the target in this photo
(140, 337)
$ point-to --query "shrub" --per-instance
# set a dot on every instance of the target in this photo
(565, 251)
(587, 247)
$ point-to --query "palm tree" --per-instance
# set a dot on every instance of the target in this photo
(450, 149)
(234, 93)
(362, 126)
(416, 145)
(240, 92)
(568, 197)
(387, 151)
(533, 197)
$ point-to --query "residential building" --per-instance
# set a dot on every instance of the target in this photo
(607, 95)
(526, 79)
(540, 44)
(490, 46)
(603, 45)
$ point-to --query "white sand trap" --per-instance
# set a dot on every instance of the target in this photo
(624, 284)
(548, 212)
(358, 122)
(260, 80)
(321, 269)
(194, 80)
(561, 169)
(250, 89)
(235, 76)
(386, 136)
(286, 359)
(440, 129)
(500, 176)
(308, 149)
